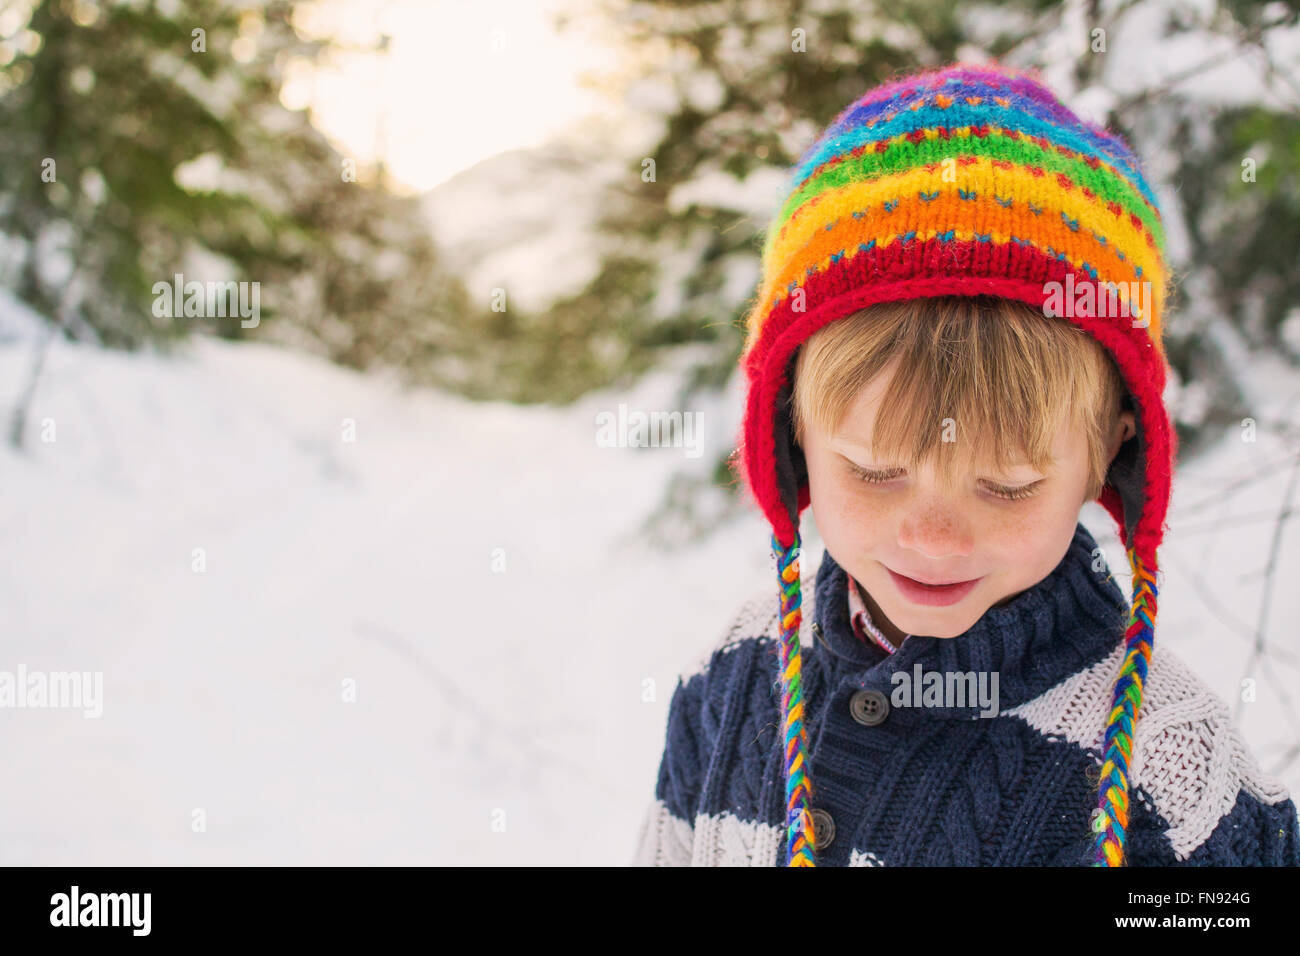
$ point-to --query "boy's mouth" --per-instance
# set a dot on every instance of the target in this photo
(934, 584)
(922, 592)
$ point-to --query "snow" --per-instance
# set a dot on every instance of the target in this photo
(482, 696)
(1290, 330)
(19, 322)
(329, 561)
(758, 195)
(1207, 60)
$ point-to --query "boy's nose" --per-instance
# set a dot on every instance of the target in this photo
(936, 531)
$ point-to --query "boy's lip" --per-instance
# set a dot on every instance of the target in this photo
(933, 584)
(932, 595)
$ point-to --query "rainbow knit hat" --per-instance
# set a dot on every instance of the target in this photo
(967, 180)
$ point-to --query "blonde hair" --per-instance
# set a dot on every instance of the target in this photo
(1006, 376)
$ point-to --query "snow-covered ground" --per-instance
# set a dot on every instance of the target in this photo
(473, 571)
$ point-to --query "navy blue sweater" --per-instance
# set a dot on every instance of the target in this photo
(957, 782)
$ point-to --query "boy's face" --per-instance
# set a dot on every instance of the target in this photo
(908, 525)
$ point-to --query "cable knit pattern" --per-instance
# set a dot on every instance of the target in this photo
(1191, 761)
(939, 786)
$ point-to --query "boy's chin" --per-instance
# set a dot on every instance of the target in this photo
(940, 622)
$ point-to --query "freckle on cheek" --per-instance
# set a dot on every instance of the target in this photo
(1023, 535)
(855, 508)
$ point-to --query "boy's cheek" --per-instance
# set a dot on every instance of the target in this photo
(847, 509)
(1033, 527)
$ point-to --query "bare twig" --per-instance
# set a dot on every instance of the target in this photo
(467, 704)
(1231, 623)
(62, 314)
(1261, 627)
(22, 407)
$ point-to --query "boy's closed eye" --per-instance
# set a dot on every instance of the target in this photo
(1003, 490)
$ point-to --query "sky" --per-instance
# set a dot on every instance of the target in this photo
(462, 80)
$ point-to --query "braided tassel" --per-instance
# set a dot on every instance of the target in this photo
(798, 785)
(1110, 819)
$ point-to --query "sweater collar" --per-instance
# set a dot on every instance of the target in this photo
(1069, 620)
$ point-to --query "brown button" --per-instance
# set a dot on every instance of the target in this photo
(869, 707)
(823, 829)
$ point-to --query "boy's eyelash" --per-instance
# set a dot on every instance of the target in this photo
(1002, 491)
(1015, 494)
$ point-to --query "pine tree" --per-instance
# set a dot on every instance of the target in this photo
(145, 139)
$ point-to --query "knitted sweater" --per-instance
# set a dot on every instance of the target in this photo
(900, 784)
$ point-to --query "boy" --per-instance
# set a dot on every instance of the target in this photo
(955, 346)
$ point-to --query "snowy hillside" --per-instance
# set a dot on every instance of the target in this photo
(523, 221)
(499, 713)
